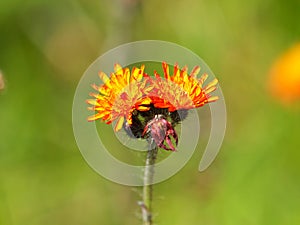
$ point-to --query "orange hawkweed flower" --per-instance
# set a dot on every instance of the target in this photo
(180, 90)
(284, 78)
(119, 96)
(152, 106)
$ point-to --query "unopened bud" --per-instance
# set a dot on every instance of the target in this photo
(161, 131)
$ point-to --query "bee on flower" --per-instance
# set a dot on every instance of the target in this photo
(147, 106)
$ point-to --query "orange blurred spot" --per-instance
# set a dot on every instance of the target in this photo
(2, 84)
(284, 78)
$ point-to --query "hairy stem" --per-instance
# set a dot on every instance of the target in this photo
(146, 204)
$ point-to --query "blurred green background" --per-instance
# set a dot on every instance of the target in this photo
(45, 48)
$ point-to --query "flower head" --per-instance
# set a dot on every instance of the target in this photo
(119, 96)
(181, 90)
(151, 106)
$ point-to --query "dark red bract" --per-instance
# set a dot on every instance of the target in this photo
(161, 131)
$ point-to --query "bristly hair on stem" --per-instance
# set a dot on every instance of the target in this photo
(147, 195)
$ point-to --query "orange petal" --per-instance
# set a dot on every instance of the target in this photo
(118, 68)
(126, 76)
(143, 108)
(119, 124)
(145, 101)
(211, 89)
(95, 117)
(202, 79)
(105, 79)
(166, 70)
(137, 74)
(213, 83)
(212, 99)
(92, 102)
(95, 87)
(195, 71)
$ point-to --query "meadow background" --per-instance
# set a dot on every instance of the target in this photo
(45, 47)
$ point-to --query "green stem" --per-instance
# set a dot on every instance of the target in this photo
(146, 204)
